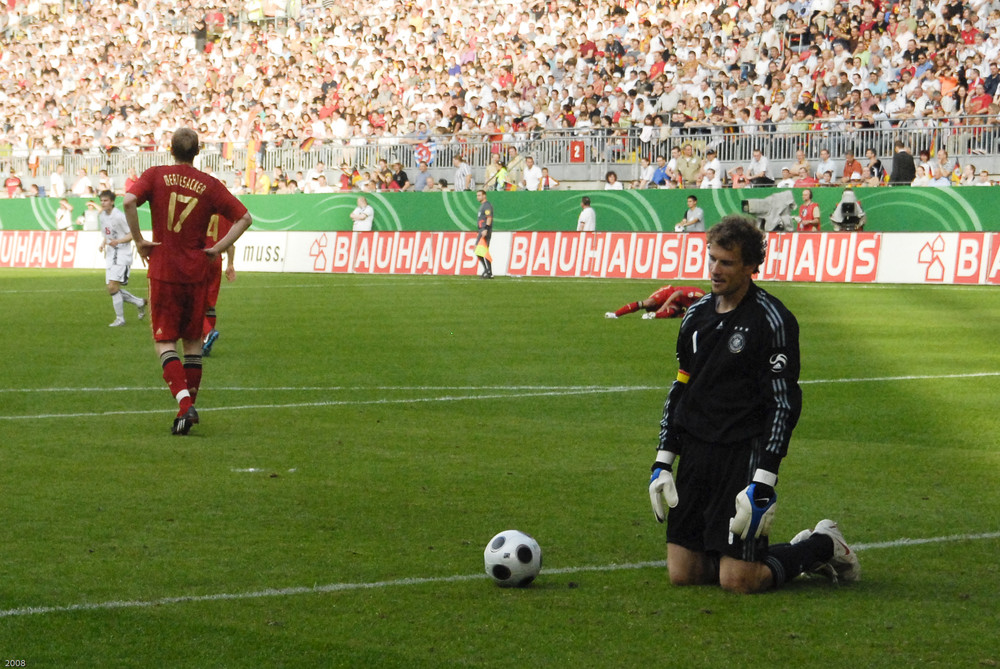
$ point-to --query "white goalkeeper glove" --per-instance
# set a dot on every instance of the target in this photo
(755, 507)
(649, 314)
(662, 488)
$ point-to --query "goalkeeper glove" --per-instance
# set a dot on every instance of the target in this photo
(755, 506)
(648, 315)
(662, 488)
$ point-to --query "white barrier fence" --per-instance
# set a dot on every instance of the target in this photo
(865, 257)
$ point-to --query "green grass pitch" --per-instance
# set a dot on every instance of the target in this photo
(363, 437)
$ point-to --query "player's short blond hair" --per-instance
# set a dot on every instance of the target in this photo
(184, 145)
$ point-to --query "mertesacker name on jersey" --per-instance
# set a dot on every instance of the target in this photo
(184, 182)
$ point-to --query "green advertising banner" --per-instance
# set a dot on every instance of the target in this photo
(896, 209)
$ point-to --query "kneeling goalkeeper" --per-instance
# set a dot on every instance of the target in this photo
(729, 417)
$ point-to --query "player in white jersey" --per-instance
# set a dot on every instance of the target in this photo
(117, 247)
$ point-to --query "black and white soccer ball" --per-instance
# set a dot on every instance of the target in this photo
(513, 559)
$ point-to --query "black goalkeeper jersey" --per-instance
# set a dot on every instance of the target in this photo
(738, 378)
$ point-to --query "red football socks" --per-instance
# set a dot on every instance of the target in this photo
(629, 308)
(174, 375)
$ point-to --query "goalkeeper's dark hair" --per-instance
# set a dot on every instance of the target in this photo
(184, 145)
(738, 231)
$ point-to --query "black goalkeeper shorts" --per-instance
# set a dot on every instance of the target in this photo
(709, 476)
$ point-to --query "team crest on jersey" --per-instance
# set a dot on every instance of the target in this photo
(736, 342)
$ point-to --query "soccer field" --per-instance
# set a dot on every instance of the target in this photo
(363, 437)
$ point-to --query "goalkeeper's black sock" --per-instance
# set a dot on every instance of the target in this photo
(786, 561)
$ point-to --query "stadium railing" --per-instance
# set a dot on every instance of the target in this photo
(574, 155)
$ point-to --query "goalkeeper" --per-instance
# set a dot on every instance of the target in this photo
(729, 417)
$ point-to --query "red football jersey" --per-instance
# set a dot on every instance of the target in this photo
(218, 227)
(690, 295)
(183, 201)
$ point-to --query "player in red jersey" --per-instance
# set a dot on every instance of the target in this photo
(666, 302)
(217, 228)
(182, 201)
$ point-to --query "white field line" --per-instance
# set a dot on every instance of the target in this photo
(402, 582)
(330, 403)
(506, 392)
(305, 388)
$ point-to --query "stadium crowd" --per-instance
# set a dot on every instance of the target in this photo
(103, 75)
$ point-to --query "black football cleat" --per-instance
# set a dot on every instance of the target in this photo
(182, 424)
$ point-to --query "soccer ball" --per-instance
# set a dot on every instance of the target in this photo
(513, 559)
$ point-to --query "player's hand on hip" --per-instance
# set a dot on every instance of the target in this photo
(662, 489)
(755, 508)
(145, 247)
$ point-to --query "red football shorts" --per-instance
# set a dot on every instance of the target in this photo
(177, 310)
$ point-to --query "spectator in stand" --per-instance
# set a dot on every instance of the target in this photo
(945, 169)
(672, 174)
(853, 169)
(688, 166)
(548, 182)
(12, 184)
(646, 173)
(490, 177)
(661, 176)
(875, 173)
(979, 102)
(383, 177)
(314, 173)
(323, 187)
(499, 179)
(463, 174)
(423, 180)
(758, 171)
(532, 179)
(922, 178)
(825, 164)
(262, 183)
(711, 162)
(326, 82)
(786, 180)
(611, 181)
(968, 177)
(82, 187)
(400, 181)
(800, 162)
(805, 180)
(903, 168)
(710, 180)
(57, 183)
(738, 177)
(516, 165)
(131, 178)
